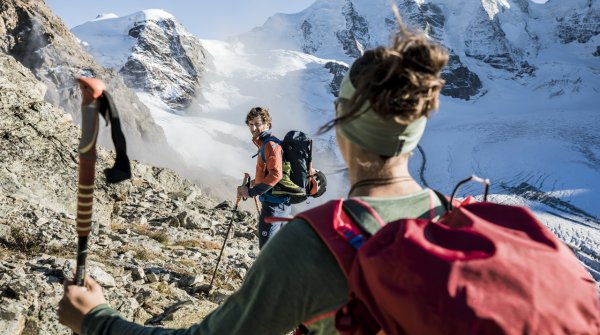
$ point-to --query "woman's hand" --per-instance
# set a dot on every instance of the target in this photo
(77, 301)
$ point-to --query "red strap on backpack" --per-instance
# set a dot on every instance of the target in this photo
(323, 218)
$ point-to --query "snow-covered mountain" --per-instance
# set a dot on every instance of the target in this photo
(519, 105)
(487, 39)
(152, 52)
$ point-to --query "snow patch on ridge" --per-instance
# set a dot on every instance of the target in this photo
(493, 7)
(105, 16)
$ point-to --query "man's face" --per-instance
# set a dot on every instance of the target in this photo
(257, 126)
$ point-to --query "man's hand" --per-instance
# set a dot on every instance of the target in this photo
(242, 191)
(77, 301)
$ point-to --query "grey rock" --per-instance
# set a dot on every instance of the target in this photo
(224, 205)
(166, 277)
(145, 295)
(101, 276)
(197, 221)
(152, 277)
(137, 273)
(20, 287)
(12, 317)
(188, 281)
(128, 307)
(4, 232)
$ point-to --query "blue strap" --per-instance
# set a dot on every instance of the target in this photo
(356, 241)
(266, 197)
(262, 147)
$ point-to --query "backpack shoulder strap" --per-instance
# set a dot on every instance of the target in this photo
(265, 141)
(337, 230)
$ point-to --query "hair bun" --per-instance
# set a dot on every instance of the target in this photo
(401, 82)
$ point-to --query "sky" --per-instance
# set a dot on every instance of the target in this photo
(203, 18)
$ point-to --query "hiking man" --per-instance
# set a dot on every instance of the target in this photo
(269, 175)
(385, 100)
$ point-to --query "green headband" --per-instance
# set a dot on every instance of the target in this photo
(375, 134)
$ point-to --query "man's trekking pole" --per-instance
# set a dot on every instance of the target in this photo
(95, 101)
(237, 202)
(257, 205)
(249, 179)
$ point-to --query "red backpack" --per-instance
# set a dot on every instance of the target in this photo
(483, 268)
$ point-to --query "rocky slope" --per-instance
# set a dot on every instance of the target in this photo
(155, 240)
(39, 40)
(162, 58)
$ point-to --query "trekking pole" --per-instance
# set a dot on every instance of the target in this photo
(248, 178)
(87, 162)
(87, 167)
(257, 205)
(237, 202)
(94, 102)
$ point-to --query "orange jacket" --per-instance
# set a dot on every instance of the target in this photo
(271, 171)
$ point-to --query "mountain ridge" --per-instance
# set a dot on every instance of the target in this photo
(174, 73)
(500, 34)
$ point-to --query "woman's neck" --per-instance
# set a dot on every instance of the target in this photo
(392, 179)
(403, 185)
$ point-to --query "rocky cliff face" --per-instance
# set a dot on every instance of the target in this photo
(36, 38)
(579, 24)
(155, 240)
(355, 37)
(163, 58)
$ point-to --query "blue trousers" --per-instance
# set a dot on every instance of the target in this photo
(267, 230)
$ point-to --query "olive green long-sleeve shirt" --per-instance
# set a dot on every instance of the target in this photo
(294, 279)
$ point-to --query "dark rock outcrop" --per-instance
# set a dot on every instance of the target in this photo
(580, 25)
(355, 38)
(338, 70)
(461, 83)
